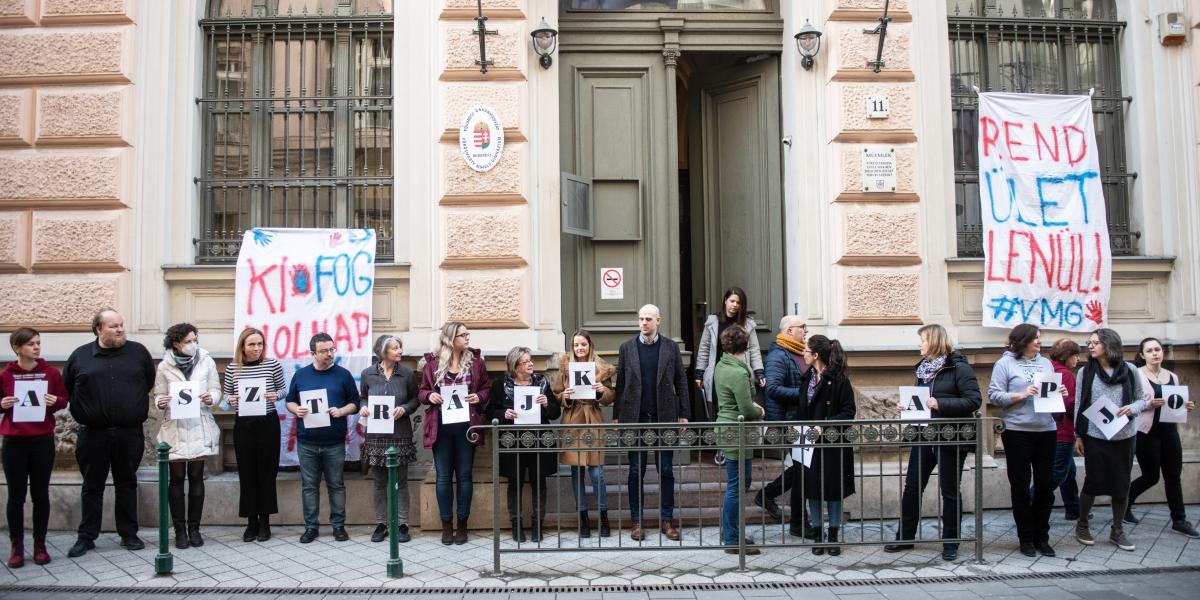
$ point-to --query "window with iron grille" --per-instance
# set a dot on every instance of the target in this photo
(1038, 46)
(296, 110)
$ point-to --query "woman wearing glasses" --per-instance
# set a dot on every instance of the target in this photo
(1028, 437)
(454, 362)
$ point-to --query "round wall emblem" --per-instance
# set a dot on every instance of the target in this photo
(481, 138)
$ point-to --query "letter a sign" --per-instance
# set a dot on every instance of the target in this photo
(454, 404)
(31, 404)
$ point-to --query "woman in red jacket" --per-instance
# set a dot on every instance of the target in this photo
(28, 453)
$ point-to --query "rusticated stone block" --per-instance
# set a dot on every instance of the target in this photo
(12, 241)
(504, 48)
(83, 115)
(880, 233)
(484, 300)
(66, 300)
(87, 10)
(882, 295)
(853, 107)
(77, 237)
(62, 176)
(17, 12)
(854, 47)
(16, 117)
(876, 403)
(895, 5)
(61, 54)
(504, 178)
(504, 99)
(472, 234)
(906, 169)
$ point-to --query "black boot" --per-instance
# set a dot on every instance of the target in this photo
(251, 532)
(605, 529)
(518, 534)
(181, 536)
(535, 532)
(833, 537)
(585, 528)
(816, 537)
(193, 532)
(264, 527)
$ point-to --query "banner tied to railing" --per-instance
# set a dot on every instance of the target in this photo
(1047, 259)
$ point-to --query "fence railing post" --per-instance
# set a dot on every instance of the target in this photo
(741, 485)
(395, 566)
(979, 420)
(164, 563)
(496, 497)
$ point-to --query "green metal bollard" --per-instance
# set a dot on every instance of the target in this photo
(163, 561)
(395, 566)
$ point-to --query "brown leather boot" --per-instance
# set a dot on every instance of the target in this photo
(636, 532)
(460, 532)
(447, 533)
(669, 530)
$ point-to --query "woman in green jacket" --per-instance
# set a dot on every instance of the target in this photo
(735, 398)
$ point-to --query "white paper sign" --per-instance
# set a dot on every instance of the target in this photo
(252, 397)
(1174, 410)
(1104, 416)
(583, 375)
(185, 400)
(529, 412)
(454, 404)
(803, 454)
(317, 402)
(612, 283)
(1049, 398)
(31, 401)
(380, 418)
(915, 400)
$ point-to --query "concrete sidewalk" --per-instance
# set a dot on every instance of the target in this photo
(284, 565)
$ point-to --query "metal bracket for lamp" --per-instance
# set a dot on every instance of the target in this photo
(881, 30)
(482, 31)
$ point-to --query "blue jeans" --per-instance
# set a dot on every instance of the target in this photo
(666, 483)
(453, 459)
(1064, 475)
(833, 507)
(577, 486)
(316, 461)
(729, 508)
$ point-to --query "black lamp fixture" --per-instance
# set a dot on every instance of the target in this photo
(545, 40)
(808, 42)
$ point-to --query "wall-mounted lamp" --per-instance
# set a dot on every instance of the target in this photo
(808, 42)
(545, 40)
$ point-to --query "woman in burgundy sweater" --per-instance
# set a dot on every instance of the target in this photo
(1065, 356)
(28, 452)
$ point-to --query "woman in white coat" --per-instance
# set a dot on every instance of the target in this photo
(191, 440)
(733, 312)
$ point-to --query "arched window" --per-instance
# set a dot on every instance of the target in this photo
(296, 110)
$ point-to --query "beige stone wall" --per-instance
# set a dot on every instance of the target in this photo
(66, 108)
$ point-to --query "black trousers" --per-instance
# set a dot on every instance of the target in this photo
(98, 451)
(786, 480)
(921, 461)
(1160, 450)
(27, 465)
(1031, 457)
(194, 471)
(527, 471)
(256, 446)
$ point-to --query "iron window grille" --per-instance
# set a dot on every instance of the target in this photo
(1039, 46)
(296, 111)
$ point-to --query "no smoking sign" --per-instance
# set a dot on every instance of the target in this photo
(612, 283)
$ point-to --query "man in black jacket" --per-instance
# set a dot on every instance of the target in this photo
(109, 382)
(651, 388)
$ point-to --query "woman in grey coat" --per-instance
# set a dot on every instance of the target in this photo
(387, 377)
(733, 312)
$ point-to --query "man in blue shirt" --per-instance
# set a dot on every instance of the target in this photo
(321, 450)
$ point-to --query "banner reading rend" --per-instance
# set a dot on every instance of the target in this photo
(1046, 255)
(294, 283)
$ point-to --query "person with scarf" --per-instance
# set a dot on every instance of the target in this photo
(785, 367)
(387, 377)
(1028, 437)
(523, 467)
(953, 394)
(191, 440)
(1107, 461)
(1159, 448)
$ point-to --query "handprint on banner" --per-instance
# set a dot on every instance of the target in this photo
(262, 238)
(335, 239)
(300, 280)
(1095, 312)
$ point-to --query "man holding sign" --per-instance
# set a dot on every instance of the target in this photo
(322, 449)
(1110, 395)
(28, 452)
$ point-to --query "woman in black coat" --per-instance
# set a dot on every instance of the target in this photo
(827, 396)
(953, 394)
(523, 467)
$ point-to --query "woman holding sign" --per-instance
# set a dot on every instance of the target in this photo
(1159, 448)
(185, 390)
(396, 383)
(259, 379)
(1110, 396)
(28, 452)
(734, 311)
(454, 383)
(1028, 436)
(581, 411)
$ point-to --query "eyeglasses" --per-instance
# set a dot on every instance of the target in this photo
(465, 334)
(528, 361)
(1091, 343)
(325, 351)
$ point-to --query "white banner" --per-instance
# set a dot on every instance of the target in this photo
(294, 283)
(1045, 232)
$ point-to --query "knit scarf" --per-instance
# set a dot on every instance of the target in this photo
(929, 367)
(1121, 375)
(787, 343)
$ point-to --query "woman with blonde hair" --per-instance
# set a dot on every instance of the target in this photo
(454, 362)
(585, 412)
